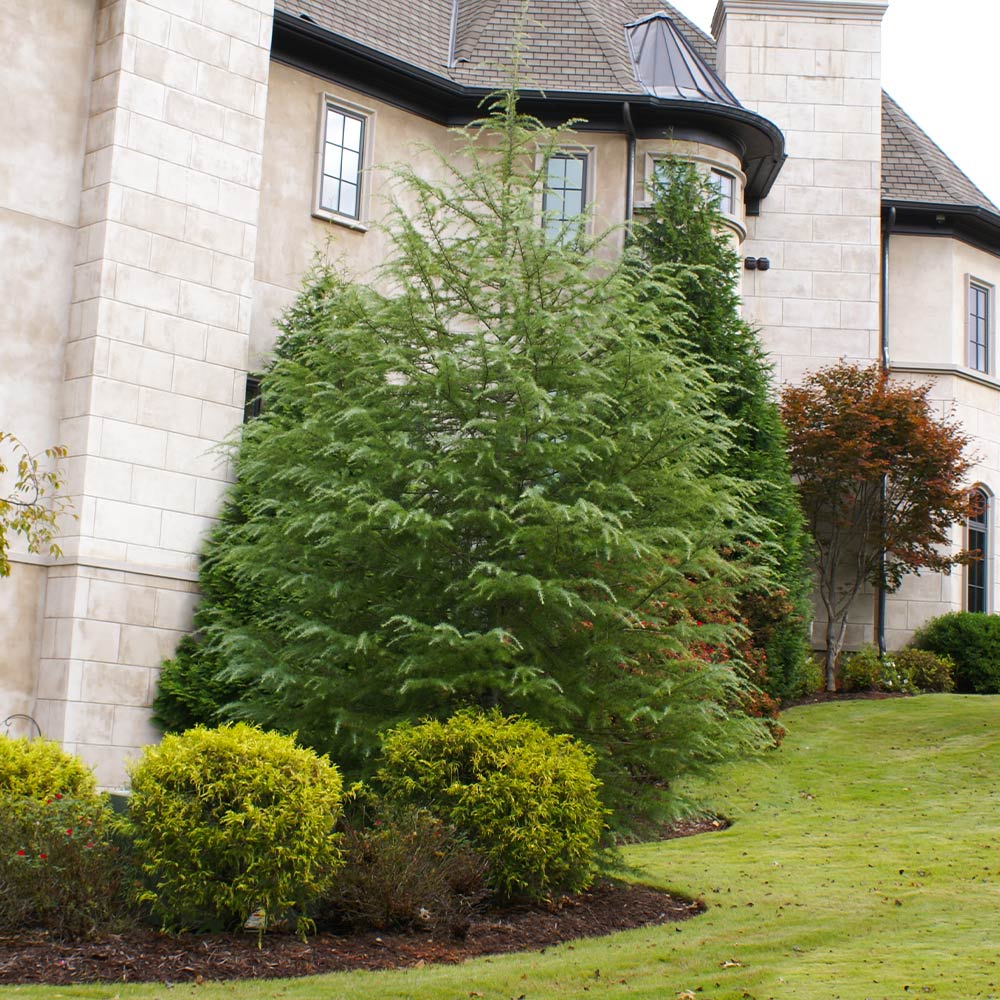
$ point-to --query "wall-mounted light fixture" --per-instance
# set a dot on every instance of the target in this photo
(757, 264)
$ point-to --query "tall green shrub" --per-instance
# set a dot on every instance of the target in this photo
(685, 233)
(490, 479)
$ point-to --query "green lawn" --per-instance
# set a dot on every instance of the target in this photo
(862, 863)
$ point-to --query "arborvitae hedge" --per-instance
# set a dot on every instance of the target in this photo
(490, 478)
(684, 232)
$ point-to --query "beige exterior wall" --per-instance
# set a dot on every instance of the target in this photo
(41, 170)
(291, 235)
(928, 334)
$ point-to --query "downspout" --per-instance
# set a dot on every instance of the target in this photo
(630, 171)
(884, 492)
(452, 34)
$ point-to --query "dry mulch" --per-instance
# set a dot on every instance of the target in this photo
(143, 955)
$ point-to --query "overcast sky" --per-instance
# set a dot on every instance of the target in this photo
(941, 63)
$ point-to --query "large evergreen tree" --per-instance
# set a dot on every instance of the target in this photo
(685, 232)
(491, 480)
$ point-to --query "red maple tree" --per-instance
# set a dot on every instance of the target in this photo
(877, 470)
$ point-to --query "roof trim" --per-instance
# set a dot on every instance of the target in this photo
(971, 224)
(842, 10)
(307, 46)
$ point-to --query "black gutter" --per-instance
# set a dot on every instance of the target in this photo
(313, 49)
(973, 224)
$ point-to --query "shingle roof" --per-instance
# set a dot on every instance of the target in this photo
(414, 32)
(916, 169)
(569, 45)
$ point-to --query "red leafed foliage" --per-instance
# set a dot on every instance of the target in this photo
(852, 429)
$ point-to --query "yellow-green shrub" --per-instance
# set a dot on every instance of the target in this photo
(230, 820)
(39, 769)
(526, 798)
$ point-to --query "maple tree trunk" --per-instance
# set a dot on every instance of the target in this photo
(831, 651)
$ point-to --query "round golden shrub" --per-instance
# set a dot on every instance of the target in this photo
(526, 798)
(40, 769)
(231, 821)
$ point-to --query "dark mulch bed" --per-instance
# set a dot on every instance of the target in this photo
(146, 956)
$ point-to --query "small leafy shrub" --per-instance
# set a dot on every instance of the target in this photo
(527, 799)
(59, 866)
(972, 640)
(926, 671)
(232, 820)
(861, 671)
(404, 868)
(40, 769)
(865, 670)
(812, 679)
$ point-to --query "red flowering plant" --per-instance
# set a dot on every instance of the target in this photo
(59, 867)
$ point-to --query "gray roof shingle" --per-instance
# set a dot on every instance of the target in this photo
(915, 168)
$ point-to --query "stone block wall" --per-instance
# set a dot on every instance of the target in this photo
(813, 68)
(156, 360)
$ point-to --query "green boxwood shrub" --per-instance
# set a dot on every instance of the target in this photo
(60, 867)
(39, 769)
(232, 820)
(972, 640)
(527, 799)
(926, 671)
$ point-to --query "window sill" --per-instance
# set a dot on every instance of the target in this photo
(967, 373)
(340, 220)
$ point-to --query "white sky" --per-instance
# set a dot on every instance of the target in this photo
(941, 63)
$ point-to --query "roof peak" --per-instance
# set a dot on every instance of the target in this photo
(666, 64)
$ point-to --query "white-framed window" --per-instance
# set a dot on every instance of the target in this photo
(725, 184)
(977, 541)
(565, 192)
(979, 325)
(345, 141)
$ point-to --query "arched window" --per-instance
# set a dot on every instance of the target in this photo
(977, 541)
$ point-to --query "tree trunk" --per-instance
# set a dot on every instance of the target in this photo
(831, 651)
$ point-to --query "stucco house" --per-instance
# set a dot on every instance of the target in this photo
(170, 166)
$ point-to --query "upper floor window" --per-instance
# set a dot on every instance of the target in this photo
(341, 162)
(253, 403)
(978, 325)
(977, 542)
(565, 193)
(725, 184)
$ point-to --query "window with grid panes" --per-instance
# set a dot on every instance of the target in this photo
(564, 196)
(725, 184)
(979, 327)
(342, 162)
(977, 528)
